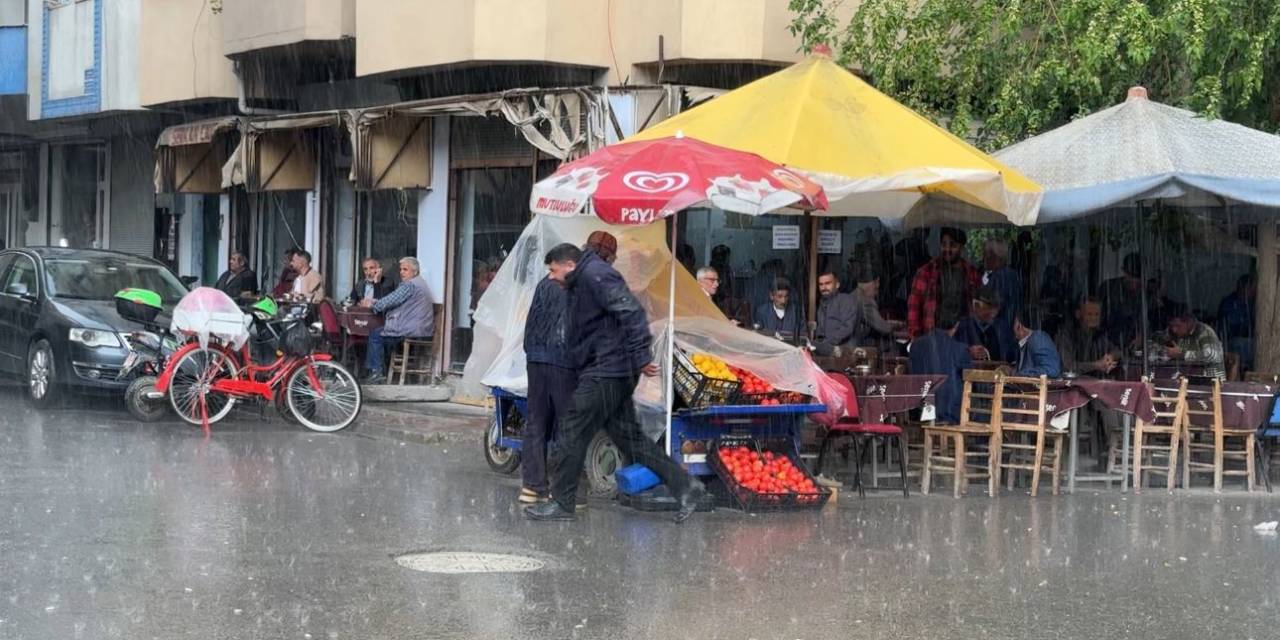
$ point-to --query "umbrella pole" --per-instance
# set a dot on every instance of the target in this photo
(1142, 275)
(671, 331)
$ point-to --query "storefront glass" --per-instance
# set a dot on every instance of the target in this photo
(77, 196)
(283, 216)
(492, 209)
(390, 228)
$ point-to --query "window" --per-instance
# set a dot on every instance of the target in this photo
(23, 273)
(492, 210)
(77, 208)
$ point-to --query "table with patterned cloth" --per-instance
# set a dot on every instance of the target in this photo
(882, 396)
(1245, 405)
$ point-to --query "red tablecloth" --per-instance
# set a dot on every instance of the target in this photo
(1245, 405)
(883, 395)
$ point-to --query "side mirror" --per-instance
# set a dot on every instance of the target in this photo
(188, 281)
(18, 289)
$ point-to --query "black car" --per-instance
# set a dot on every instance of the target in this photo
(58, 323)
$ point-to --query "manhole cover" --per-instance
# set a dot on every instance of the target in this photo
(468, 562)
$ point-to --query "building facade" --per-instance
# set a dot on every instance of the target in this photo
(186, 129)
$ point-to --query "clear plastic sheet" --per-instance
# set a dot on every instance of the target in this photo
(207, 312)
(497, 356)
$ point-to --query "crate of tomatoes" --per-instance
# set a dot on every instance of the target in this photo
(755, 391)
(764, 474)
(703, 380)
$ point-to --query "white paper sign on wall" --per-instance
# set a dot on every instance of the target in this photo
(786, 236)
(829, 241)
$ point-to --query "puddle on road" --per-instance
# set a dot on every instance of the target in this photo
(468, 562)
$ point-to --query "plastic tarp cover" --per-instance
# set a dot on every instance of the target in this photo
(497, 356)
(207, 312)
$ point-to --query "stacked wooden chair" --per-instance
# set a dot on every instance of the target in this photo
(1024, 433)
(1207, 442)
(950, 448)
(1155, 443)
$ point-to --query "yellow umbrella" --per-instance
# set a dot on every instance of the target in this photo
(872, 155)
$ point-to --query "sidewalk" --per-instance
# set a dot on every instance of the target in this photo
(423, 422)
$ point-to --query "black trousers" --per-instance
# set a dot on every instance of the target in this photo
(605, 403)
(550, 396)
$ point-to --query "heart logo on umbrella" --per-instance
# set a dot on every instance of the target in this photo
(649, 182)
(789, 179)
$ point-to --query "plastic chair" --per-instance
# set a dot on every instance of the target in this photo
(851, 427)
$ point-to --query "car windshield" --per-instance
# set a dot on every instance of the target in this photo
(100, 279)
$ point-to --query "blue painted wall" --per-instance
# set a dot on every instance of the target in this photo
(13, 61)
(91, 101)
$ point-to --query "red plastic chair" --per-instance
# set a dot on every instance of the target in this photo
(851, 427)
(330, 326)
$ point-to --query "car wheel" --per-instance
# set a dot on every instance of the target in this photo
(42, 378)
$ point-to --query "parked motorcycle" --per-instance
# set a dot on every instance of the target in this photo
(149, 351)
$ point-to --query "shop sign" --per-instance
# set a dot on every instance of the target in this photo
(829, 241)
(786, 236)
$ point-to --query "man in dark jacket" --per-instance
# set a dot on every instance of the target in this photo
(238, 281)
(986, 336)
(610, 346)
(778, 317)
(549, 368)
(938, 352)
(374, 286)
(836, 317)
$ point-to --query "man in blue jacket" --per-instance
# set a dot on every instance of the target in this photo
(549, 368)
(610, 347)
(1037, 355)
(938, 352)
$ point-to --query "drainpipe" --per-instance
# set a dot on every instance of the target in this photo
(243, 103)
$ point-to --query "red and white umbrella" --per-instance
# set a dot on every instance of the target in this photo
(641, 182)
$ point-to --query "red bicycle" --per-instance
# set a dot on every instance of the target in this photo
(204, 383)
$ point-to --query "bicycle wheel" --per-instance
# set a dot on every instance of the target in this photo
(189, 393)
(330, 406)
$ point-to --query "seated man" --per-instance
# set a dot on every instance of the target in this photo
(837, 313)
(1037, 356)
(375, 285)
(1191, 341)
(870, 328)
(938, 352)
(982, 331)
(778, 317)
(1083, 346)
(308, 284)
(238, 281)
(409, 314)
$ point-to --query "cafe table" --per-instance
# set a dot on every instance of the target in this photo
(356, 322)
(882, 396)
(1130, 399)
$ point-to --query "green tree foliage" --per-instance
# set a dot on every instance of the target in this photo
(998, 71)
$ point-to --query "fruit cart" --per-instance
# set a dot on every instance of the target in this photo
(728, 420)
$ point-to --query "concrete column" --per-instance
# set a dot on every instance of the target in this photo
(433, 214)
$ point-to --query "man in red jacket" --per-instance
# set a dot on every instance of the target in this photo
(947, 280)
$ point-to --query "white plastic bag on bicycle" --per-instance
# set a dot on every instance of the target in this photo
(207, 312)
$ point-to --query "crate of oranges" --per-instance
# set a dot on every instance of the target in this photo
(703, 380)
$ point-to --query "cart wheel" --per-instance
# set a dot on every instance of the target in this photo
(500, 459)
(603, 459)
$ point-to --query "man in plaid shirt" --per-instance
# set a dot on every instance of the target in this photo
(947, 280)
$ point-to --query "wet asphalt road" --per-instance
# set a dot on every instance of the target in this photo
(110, 529)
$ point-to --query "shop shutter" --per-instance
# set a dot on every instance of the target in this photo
(490, 138)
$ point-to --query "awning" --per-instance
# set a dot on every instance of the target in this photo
(391, 152)
(279, 153)
(189, 156)
(562, 123)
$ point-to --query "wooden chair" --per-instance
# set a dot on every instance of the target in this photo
(1161, 436)
(1211, 440)
(1231, 364)
(979, 420)
(418, 356)
(1025, 419)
